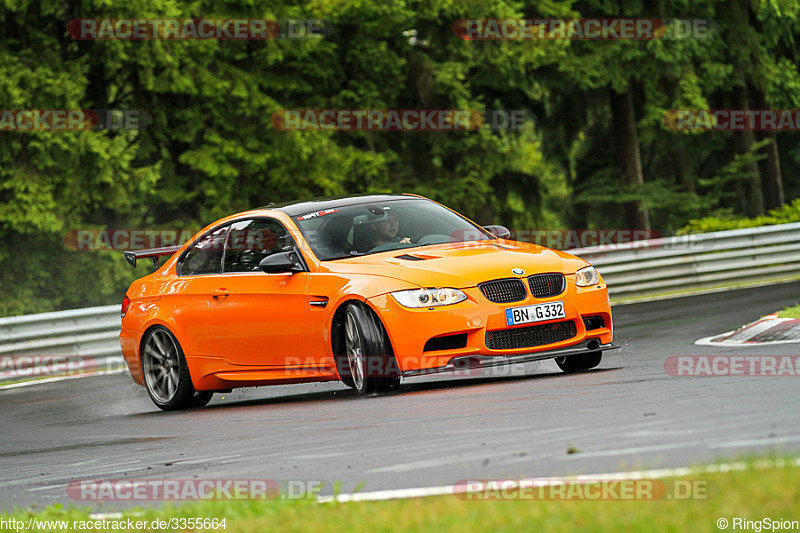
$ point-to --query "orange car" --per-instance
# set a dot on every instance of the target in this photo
(362, 289)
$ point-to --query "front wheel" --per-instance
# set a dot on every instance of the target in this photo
(580, 362)
(370, 366)
(166, 376)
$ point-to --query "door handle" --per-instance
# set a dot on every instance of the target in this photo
(220, 293)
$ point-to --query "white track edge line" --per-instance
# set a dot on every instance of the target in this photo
(420, 492)
(62, 378)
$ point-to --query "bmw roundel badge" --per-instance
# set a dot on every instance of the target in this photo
(517, 271)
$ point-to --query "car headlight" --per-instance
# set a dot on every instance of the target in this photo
(429, 297)
(586, 277)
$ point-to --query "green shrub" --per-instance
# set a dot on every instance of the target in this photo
(781, 215)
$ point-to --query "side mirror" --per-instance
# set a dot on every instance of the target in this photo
(281, 262)
(501, 232)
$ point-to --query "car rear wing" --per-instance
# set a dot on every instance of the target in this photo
(152, 253)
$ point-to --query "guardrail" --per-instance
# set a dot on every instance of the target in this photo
(632, 270)
(702, 261)
(89, 332)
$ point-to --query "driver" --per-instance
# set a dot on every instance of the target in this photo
(385, 230)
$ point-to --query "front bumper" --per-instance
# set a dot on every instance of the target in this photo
(469, 362)
(411, 329)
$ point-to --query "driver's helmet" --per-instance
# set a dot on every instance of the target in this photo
(365, 226)
(374, 214)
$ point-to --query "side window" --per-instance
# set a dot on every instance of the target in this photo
(250, 241)
(205, 256)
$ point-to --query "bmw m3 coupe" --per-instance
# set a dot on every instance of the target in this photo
(364, 289)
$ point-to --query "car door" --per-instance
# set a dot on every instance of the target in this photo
(187, 296)
(260, 319)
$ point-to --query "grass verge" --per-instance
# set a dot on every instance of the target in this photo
(751, 493)
(790, 312)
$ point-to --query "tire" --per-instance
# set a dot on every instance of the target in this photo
(580, 362)
(340, 354)
(367, 363)
(201, 398)
(166, 376)
(344, 372)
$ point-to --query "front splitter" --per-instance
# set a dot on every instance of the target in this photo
(467, 362)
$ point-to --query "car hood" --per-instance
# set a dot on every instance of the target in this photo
(460, 265)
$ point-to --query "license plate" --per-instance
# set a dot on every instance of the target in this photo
(534, 313)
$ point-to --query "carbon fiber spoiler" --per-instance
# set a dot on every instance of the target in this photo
(152, 253)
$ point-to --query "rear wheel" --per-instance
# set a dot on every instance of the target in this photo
(580, 362)
(166, 375)
(367, 364)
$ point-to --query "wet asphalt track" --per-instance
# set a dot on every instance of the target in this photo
(438, 430)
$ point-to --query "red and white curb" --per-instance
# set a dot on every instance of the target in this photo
(768, 330)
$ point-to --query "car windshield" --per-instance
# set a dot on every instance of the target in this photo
(363, 229)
